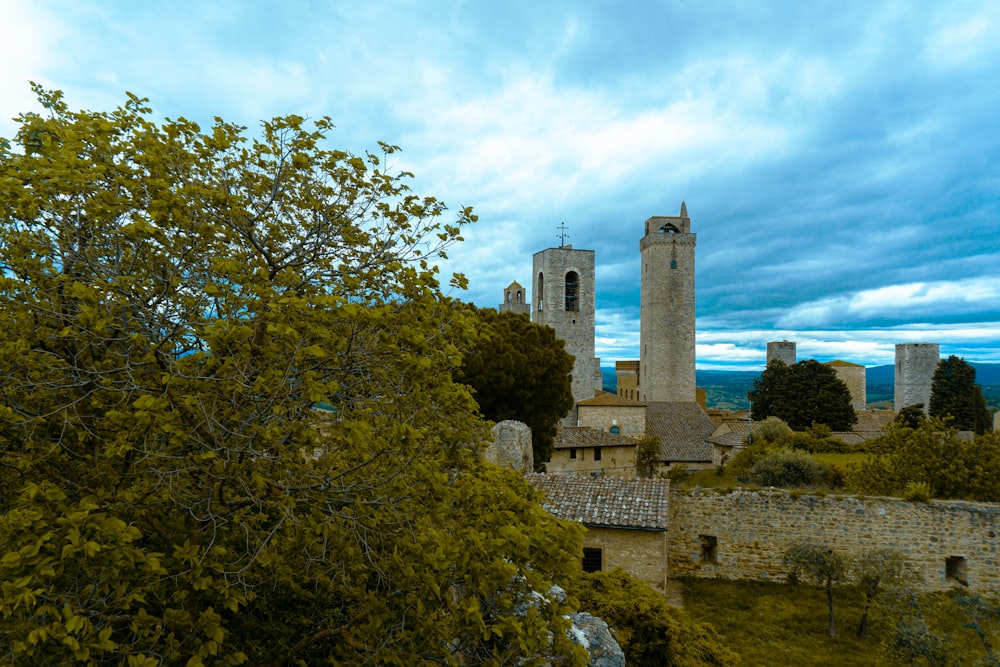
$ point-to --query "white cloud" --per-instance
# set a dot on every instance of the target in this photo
(897, 302)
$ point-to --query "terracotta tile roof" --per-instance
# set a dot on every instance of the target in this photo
(855, 437)
(607, 398)
(617, 502)
(683, 429)
(585, 436)
(731, 439)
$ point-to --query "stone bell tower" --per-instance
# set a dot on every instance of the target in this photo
(667, 329)
(563, 291)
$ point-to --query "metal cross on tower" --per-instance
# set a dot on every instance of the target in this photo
(562, 234)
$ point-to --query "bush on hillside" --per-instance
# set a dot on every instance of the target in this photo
(791, 468)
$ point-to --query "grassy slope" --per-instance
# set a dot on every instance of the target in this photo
(772, 624)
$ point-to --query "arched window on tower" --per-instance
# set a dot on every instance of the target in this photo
(615, 430)
(572, 286)
(541, 289)
(519, 297)
(673, 264)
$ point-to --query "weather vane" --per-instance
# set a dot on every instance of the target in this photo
(562, 234)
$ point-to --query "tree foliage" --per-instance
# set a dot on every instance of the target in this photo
(650, 631)
(955, 394)
(802, 394)
(648, 454)
(176, 304)
(932, 456)
(875, 570)
(519, 370)
(790, 468)
(821, 564)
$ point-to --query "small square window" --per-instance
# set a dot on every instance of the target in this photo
(954, 570)
(592, 559)
(709, 548)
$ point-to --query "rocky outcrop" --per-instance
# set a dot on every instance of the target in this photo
(594, 635)
(511, 446)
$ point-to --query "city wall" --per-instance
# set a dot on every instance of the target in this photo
(742, 535)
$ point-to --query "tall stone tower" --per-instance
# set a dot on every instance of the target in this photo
(563, 292)
(515, 300)
(781, 350)
(666, 334)
(915, 366)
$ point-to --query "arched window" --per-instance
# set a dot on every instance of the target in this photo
(615, 430)
(673, 264)
(572, 285)
(541, 289)
(519, 296)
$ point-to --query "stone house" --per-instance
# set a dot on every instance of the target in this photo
(613, 413)
(581, 450)
(626, 520)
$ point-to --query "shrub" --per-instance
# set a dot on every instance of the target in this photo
(790, 468)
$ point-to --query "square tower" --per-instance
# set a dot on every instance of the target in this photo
(563, 290)
(667, 327)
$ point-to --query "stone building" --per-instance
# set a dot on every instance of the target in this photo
(613, 413)
(627, 378)
(581, 450)
(852, 375)
(781, 350)
(626, 520)
(915, 366)
(667, 310)
(515, 300)
(563, 289)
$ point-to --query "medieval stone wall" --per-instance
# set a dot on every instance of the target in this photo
(643, 553)
(742, 535)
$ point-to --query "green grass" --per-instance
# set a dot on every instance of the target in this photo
(772, 624)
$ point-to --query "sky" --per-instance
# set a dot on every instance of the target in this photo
(840, 161)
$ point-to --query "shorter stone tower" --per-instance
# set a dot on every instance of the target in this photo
(915, 366)
(515, 300)
(627, 372)
(854, 376)
(781, 350)
(563, 292)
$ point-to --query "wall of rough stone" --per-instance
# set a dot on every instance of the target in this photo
(915, 366)
(781, 350)
(643, 553)
(615, 461)
(753, 528)
(631, 421)
(511, 446)
(667, 311)
(854, 376)
(576, 327)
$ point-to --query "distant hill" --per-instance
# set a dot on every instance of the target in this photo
(728, 389)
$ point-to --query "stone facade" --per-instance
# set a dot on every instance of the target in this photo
(667, 310)
(742, 535)
(563, 289)
(581, 450)
(515, 300)
(915, 366)
(781, 350)
(852, 375)
(606, 412)
(627, 375)
(642, 553)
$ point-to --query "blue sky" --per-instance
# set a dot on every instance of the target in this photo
(840, 160)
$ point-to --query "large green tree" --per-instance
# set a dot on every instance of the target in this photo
(228, 428)
(802, 394)
(955, 394)
(520, 370)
